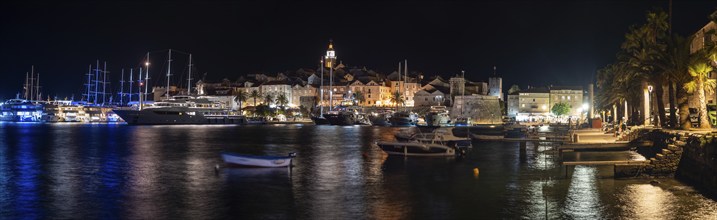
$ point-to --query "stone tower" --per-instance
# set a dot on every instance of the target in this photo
(495, 85)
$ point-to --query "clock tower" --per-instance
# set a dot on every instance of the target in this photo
(330, 55)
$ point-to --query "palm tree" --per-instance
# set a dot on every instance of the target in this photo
(268, 99)
(701, 82)
(240, 98)
(359, 97)
(254, 95)
(396, 98)
(282, 100)
(673, 64)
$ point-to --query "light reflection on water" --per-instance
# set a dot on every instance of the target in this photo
(158, 172)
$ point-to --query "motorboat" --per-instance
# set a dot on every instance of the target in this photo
(443, 135)
(416, 149)
(403, 119)
(257, 161)
(182, 111)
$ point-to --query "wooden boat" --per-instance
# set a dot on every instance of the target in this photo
(416, 149)
(257, 161)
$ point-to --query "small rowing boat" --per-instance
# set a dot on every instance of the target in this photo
(257, 161)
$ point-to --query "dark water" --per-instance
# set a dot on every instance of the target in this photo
(167, 172)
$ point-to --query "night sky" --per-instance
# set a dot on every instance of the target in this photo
(531, 43)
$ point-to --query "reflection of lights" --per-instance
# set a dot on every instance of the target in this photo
(583, 200)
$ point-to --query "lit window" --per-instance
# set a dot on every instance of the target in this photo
(568, 97)
(522, 105)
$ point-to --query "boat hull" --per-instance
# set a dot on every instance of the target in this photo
(256, 161)
(134, 117)
(416, 149)
(319, 120)
(340, 119)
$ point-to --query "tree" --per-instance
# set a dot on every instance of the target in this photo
(240, 98)
(254, 95)
(673, 63)
(560, 109)
(700, 73)
(304, 111)
(397, 99)
(282, 100)
(359, 97)
(268, 99)
(514, 88)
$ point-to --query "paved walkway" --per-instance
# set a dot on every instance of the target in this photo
(594, 136)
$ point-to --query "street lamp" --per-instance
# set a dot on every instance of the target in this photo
(649, 101)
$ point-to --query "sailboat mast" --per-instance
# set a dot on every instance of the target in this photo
(37, 88)
(146, 78)
(169, 71)
(104, 83)
(139, 89)
(89, 82)
(321, 88)
(131, 81)
(400, 87)
(97, 77)
(405, 79)
(189, 80)
(331, 86)
(122, 88)
(32, 83)
(26, 87)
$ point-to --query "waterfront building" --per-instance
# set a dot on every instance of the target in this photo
(407, 87)
(533, 104)
(374, 94)
(477, 108)
(340, 89)
(299, 92)
(276, 88)
(432, 95)
(513, 104)
(536, 103)
(704, 36)
(572, 95)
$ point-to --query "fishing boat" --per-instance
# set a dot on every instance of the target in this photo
(257, 161)
(415, 149)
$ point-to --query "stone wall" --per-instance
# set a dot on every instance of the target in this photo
(698, 165)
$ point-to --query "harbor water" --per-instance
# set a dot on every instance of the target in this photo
(108, 171)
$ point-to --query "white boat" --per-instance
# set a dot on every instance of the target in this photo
(442, 135)
(182, 110)
(257, 161)
(416, 149)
